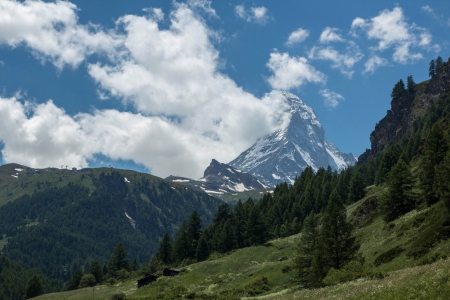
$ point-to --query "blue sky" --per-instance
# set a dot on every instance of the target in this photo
(164, 87)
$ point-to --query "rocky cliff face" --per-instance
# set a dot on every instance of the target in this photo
(405, 110)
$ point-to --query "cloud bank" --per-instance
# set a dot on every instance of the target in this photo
(170, 76)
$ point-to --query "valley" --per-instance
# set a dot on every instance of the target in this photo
(373, 230)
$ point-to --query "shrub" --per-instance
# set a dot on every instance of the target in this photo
(388, 256)
(431, 259)
(87, 280)
(434, 229)
(286, 269)
(354, 269)
(118, 296)
(258, 287)
(123, 274)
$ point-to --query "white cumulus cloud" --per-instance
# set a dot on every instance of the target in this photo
(51, 31)
(330, 35)
(331, 99)
(391, 30)
(255, 14)
(291, 72)
(342, 61)
(373, 63)
(297, 36)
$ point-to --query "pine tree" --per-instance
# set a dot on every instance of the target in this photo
(202, 251)
(432, 68)
(165, 250)
(118, 260)
(442, 177)
(398, 199)
(34, 287)
(74, 281)
(181, 244)
(227, 238)
(240, 219)
(307, 250)
(398, 90)
(194, 227)
(134, 265)
(410, 84)
(256, 227)
(357, 188)
(96, 270)
(439, 63)
(434, 152)
(337, 240)
(390, 157)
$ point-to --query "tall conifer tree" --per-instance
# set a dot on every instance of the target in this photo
(398, 199)
(307, 249)
(34, 287)
(434, 152)
(337, 240)
(165, 250)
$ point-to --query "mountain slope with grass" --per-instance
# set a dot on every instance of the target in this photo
(60, 220)
(268, 271)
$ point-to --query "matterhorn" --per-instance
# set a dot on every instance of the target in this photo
(282, 155)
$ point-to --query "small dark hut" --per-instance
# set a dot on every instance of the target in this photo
(171, 272)
(148, 278)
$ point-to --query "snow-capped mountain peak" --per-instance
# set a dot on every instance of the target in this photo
(285, 153)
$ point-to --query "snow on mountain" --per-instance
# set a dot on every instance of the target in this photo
(219, 179)
(284, 154)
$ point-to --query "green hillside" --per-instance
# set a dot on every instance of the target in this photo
(60, 220)
(268, 271)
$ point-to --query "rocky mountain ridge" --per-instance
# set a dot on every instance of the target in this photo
(220, 179)
(284, 154)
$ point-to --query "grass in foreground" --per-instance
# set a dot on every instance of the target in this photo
(403, 250)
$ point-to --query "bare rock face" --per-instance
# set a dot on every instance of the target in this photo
(405, 110)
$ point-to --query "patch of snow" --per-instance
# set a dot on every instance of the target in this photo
(240, 187)
(18, 170)
(173, 188)
(126, 180)
(223, 191)
(340, 163)
(275, 176)
(202, 179)
(15, 176)
(132, 222)
(214, 192)
(180, 180)
(230, 170)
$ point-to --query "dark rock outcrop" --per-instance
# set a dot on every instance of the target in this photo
(405, 110)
